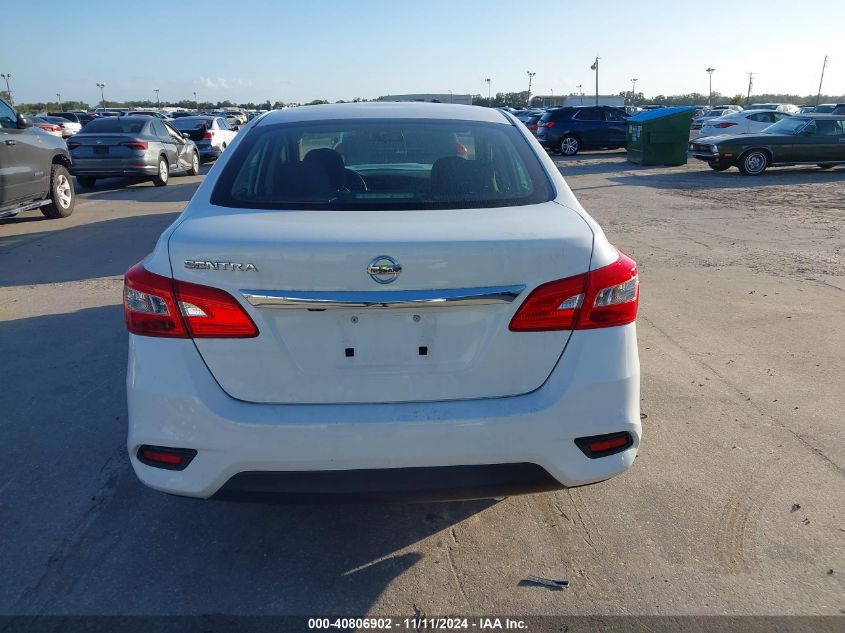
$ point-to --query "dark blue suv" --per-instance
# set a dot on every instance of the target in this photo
(569, 130)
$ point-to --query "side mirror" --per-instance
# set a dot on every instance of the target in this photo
(23, 122)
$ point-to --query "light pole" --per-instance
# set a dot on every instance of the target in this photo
(59, 95)
(489, 99)
(819, 95)
(595, 67)
(633, 90)
(158, 103)
(750, 85)
(581, 92)
(530, 77)
(450, 96)
(7, 77)
(196, 103)
(709, 71)
(102, 96)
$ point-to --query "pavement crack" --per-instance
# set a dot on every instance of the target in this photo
(454, 570)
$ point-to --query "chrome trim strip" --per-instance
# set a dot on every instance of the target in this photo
(318, 300)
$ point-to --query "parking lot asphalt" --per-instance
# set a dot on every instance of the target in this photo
(735, 505)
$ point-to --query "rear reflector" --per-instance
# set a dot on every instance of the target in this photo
(604, 445)
(549, 124)
(724, 125)
(154, 305)
(167, 458)
(604, 297)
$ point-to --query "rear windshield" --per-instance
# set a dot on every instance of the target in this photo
(382, 164)
(186, 124)
(115, 124)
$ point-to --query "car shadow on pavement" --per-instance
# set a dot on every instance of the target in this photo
(132, 190)
(86, 537)
(80, 252)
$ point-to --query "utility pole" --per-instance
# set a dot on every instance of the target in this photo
(819, 95)
(102, 96)
(7, 77)
(59, 95)
(530, 77)
(750, 85)
(450, 96)
(595, 67)
(633, 90)
(581, 92)
(709, 72)
(158, 103)
(196, 103)
(489, 99)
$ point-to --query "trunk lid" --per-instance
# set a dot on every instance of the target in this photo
(440, 350)
(105, 145)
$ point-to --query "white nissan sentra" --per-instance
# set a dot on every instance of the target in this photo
(382, 301)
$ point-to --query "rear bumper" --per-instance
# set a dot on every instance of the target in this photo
(114, 167)
(174, 402)
(209, 151)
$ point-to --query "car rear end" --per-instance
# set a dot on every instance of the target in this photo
(546, 134)
(115, 146)
(458, 329)
(200, 130)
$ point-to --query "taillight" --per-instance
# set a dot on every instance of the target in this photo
(549, 124)
(135, 144)
(724, 125)
(533, 127)
(208, 136)
(604, 297)
(165, 457)
(159, 306)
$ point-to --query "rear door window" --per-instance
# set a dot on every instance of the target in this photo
(589, 114)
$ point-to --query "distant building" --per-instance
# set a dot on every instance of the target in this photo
(431, 98)
(545, 101)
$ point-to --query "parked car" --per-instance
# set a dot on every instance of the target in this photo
(68, 126)
(85, 119)
(212, 135)
(839, 109)
(179, 115)
(745, 122)
(311, 329)
(46, 126)
(33, 168)
(809, 139)
(569, 130)
(73, 117)
(131, 146)
(778, 107)
(232, 118)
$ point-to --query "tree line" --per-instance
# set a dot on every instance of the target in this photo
(499, 100)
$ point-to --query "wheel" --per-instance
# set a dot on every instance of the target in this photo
(86, 181)
(61, 194)
(163, 173)
(717, 166)
(753, 162)
(569, 145)
(195, 165)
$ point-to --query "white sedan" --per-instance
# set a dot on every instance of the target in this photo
(212, 134)
(421, 310)
(746, 122)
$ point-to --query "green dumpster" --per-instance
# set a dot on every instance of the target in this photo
(660, 137)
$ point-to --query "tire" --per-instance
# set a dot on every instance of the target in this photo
(86, 181)
(163, 172)
(753, 162)
(717, 166)
(195, 165)
(62, 196)
(570, 145)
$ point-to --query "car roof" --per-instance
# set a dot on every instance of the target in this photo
(385, 110)
(825, 117)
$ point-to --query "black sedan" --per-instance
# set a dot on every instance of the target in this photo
(809, 139)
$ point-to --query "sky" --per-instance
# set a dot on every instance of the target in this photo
(327, 49)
